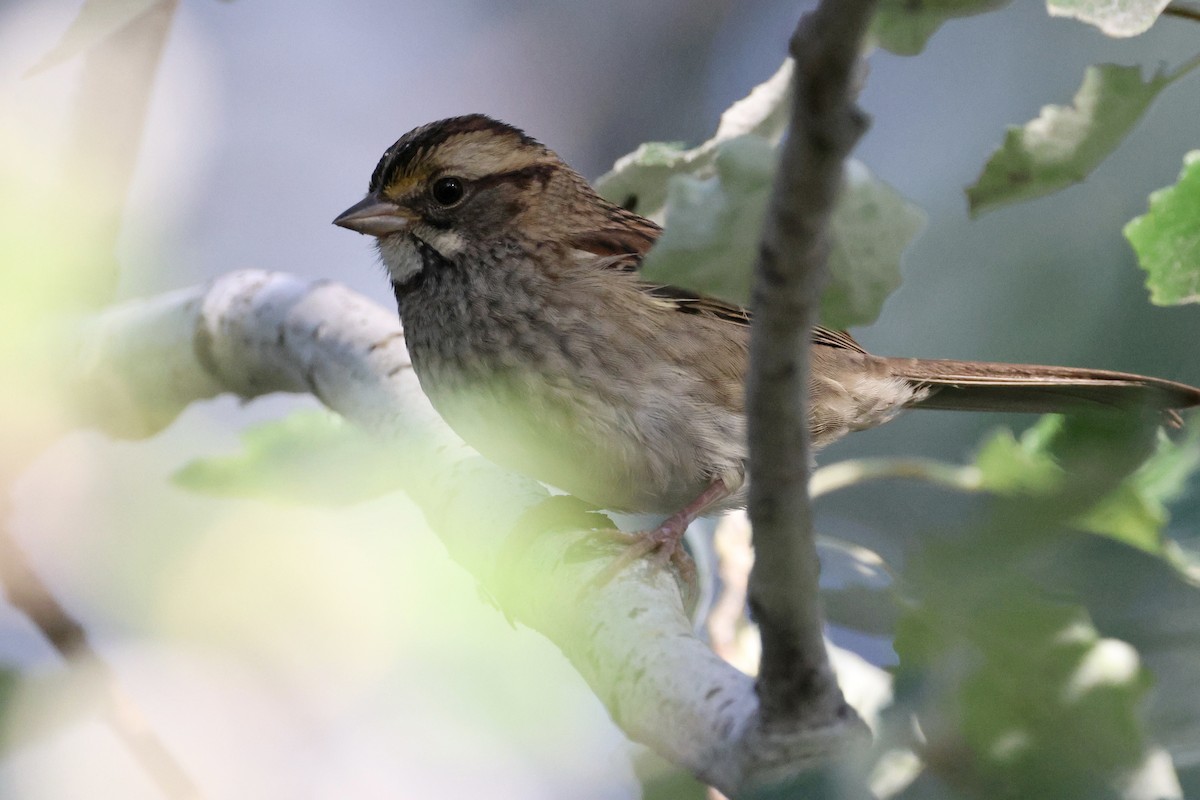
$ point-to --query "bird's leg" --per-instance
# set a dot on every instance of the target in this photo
(665, 541)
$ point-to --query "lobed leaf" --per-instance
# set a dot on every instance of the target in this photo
(1065, 143)
(904, 26)
(638, 181)
(1117, 18)
(711, 238)
(1167, 238)
(713, 199)
(713, 223)
(871, 226)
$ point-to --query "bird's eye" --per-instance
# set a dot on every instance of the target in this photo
(447, 191)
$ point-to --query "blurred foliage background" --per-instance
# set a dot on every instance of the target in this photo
(287, 651)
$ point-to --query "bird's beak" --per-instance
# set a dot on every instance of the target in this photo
(373, 216)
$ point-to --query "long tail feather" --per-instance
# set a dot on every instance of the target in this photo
(982, 386)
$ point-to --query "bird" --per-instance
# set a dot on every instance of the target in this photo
(535, 337)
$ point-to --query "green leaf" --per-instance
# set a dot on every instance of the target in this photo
(904, 26)
(8, 688)
(638, 181)
(1117, 18)
(1134, 511)
(36, 705)
(96, 21)
(711, 238)
(1018, 689)
(714, 223)
(1166, 475)
(311, 457)
(1064, 144)
(713, 199)
(1167, 238)
(1008, 465)
(1129, 516)
(871, 226)
(1027, 648)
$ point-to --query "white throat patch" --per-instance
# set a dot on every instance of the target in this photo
(401, 257)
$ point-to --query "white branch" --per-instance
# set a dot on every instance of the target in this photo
(253, 333)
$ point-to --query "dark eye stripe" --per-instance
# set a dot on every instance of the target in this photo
(540, 172)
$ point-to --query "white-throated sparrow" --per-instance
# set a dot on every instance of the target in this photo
(534, 337)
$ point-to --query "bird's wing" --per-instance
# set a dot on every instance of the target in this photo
(622, 247)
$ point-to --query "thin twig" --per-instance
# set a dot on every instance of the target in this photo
(796, 685)
(845, 474)
(30, 595)
(1183, 11)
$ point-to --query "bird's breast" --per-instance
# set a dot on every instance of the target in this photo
(553, 389)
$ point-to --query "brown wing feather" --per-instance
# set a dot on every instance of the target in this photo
(690, 302)
(622, 247)
(619, 233)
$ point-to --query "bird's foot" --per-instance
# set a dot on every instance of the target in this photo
(663, 544)
(666, 542)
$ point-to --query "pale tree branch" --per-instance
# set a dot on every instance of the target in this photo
(252, 333)
(796, 685)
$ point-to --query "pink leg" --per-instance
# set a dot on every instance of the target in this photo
(665, 541)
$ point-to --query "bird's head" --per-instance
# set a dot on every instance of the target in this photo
(464, 185)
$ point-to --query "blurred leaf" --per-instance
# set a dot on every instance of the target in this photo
(1116, 18)
(714, 197)
(904, 26)
(1142, 599)
(96, 21)
(1028, 648)
(311, 457)
(46, 279)
(710, 242)
(1009, 465)
(35, 705)
(1134, 510)
(1017, 693)
(1131, 517)
(1165, 476)
(1064, 144)
(1167, 238)
(8, 688)
(662, 780)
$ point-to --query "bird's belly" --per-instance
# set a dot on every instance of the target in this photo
(646, 457)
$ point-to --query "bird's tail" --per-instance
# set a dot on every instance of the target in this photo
(983, 386)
